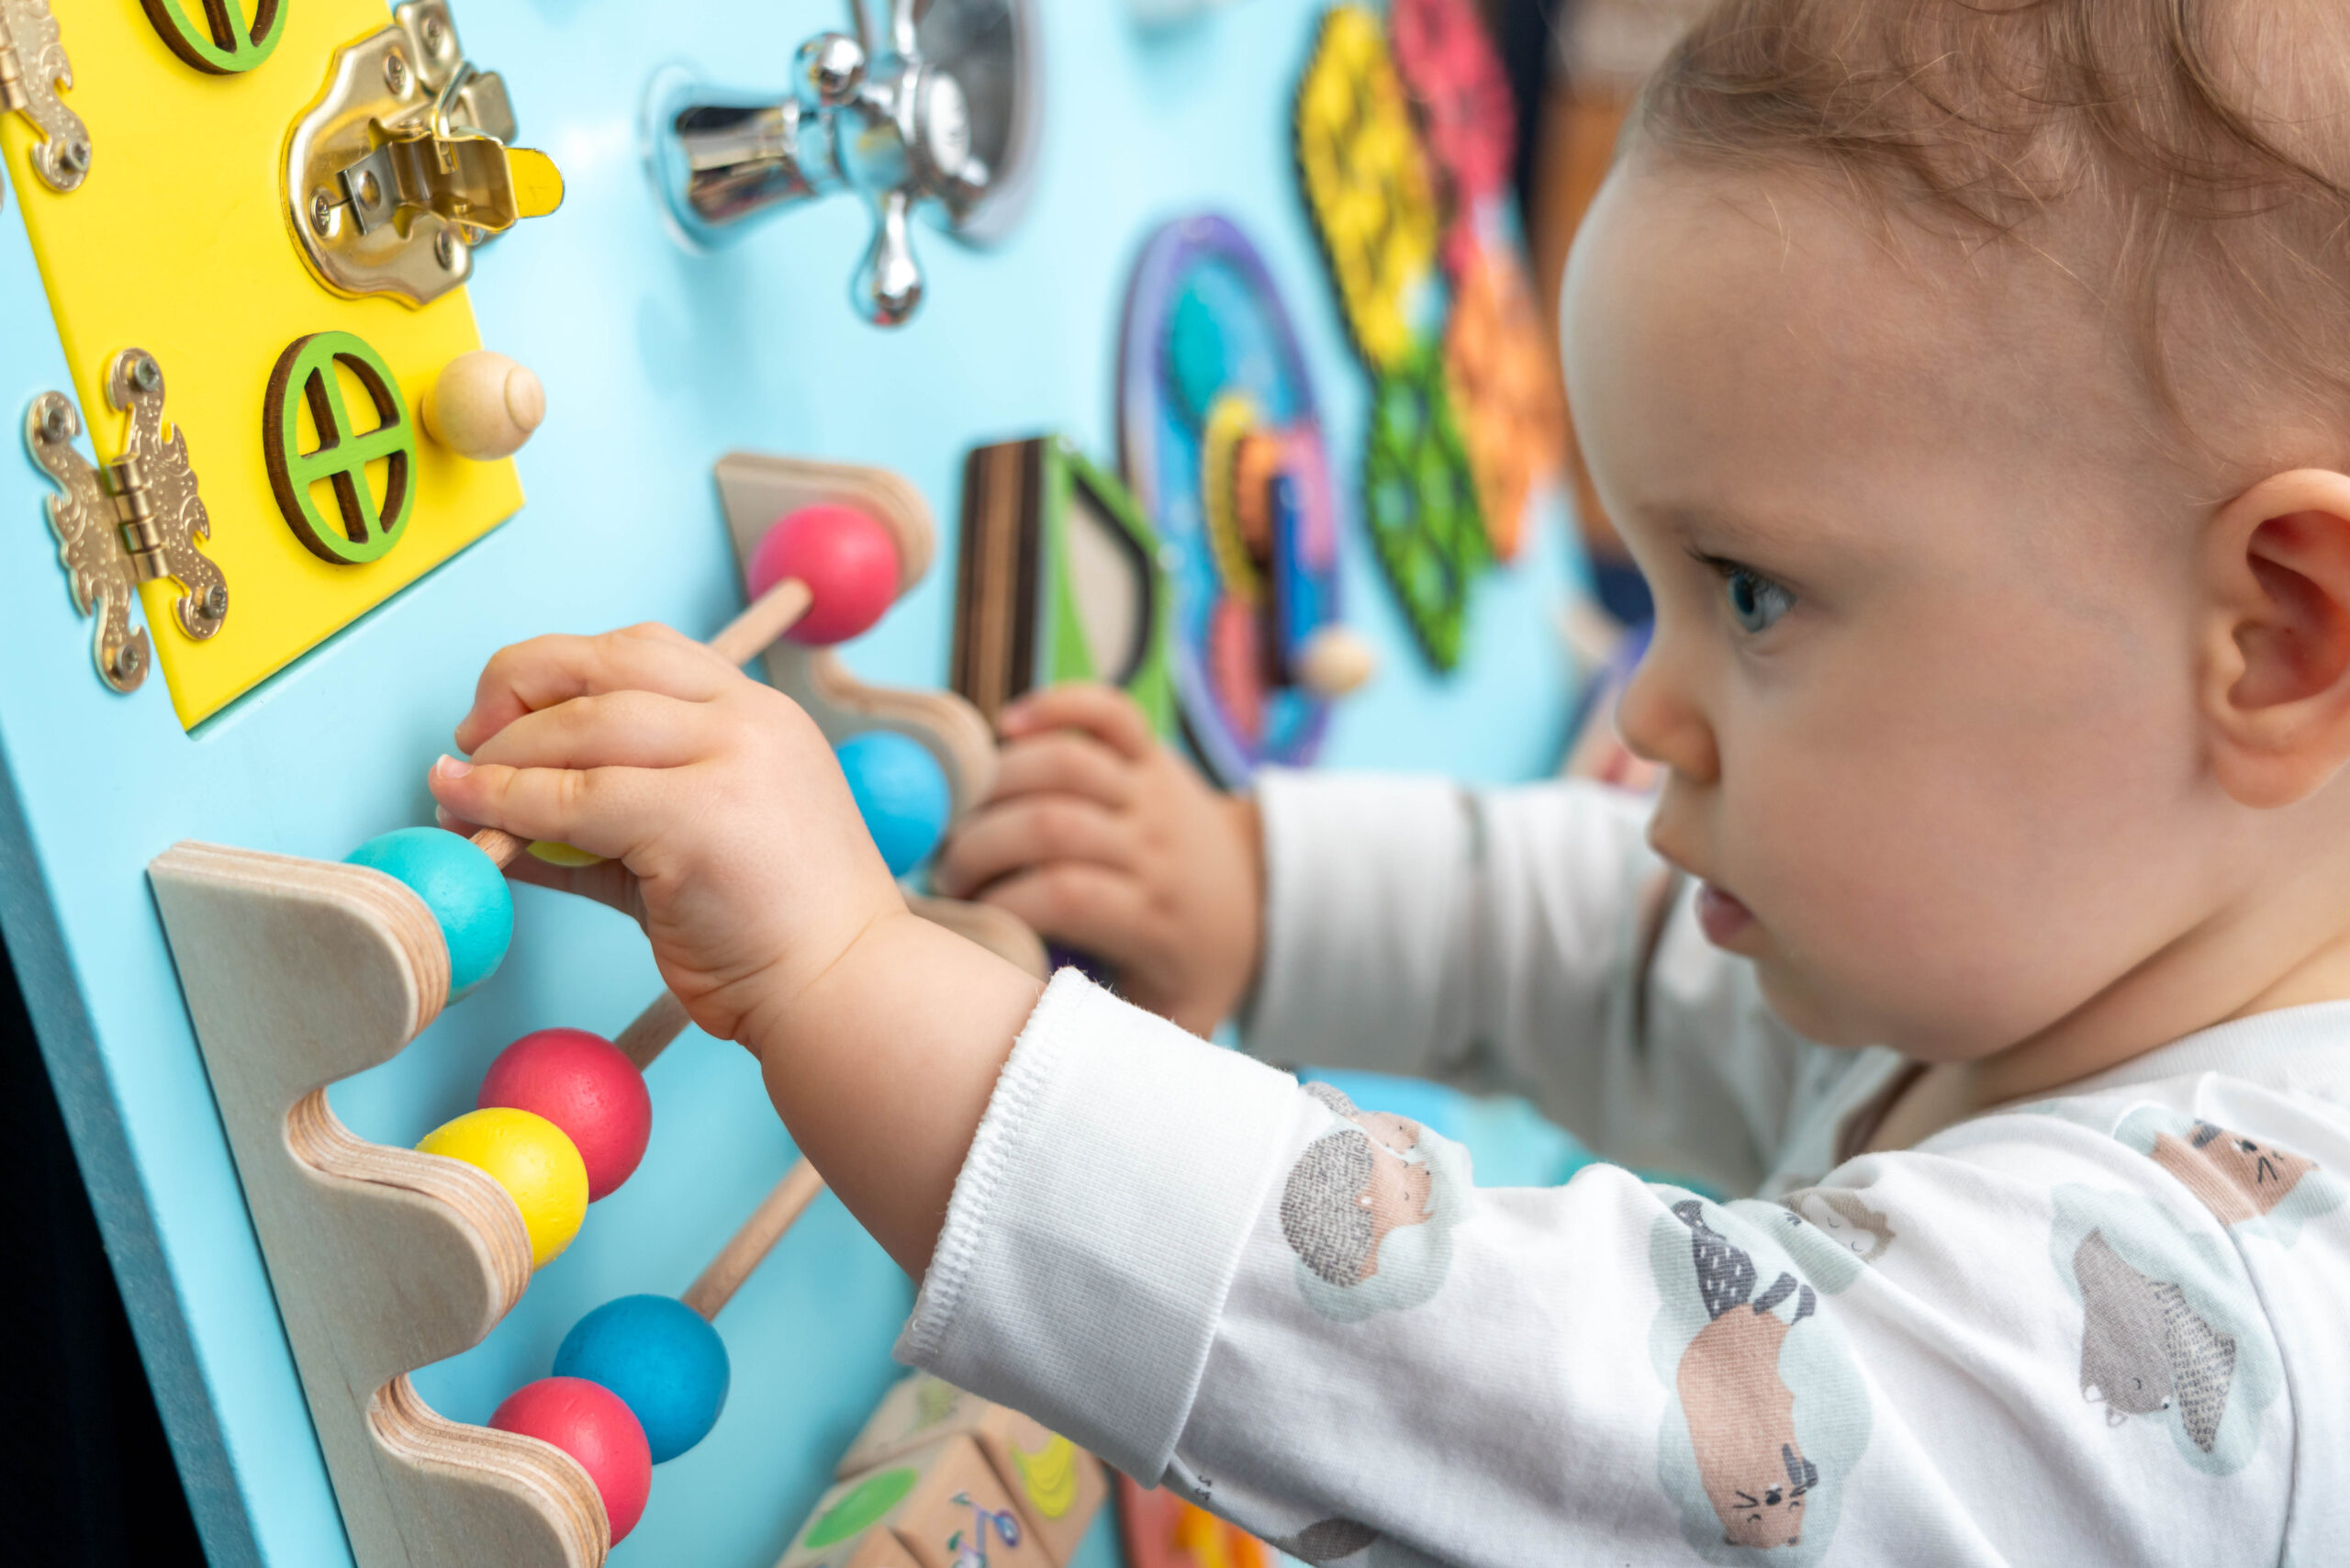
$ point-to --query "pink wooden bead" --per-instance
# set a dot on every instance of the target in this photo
(585, 1085)
(848, 561)
(594, 1425)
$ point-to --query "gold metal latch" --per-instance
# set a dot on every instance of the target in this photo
(135, 519)
(402, 167)
(32, 68)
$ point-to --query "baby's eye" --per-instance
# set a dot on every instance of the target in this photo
(1754, 600)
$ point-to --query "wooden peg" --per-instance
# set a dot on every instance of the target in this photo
(1335, 662)
(483, 406)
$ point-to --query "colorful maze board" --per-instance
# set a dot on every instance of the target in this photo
(1211, 375)
(655, 362)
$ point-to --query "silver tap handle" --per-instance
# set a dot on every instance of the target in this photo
(889, 281)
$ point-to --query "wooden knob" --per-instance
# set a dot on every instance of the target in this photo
(1334, 660)
(483, 405)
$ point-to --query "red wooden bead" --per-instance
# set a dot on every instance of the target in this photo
(585, 1085)
(846, 558)
(594, 1425)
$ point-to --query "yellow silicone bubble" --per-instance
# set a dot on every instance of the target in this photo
(555, 854)
(531, 1158)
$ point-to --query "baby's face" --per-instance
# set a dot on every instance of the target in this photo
(1925, 654)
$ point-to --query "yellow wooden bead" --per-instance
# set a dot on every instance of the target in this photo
(557, 853)
(531, 1158)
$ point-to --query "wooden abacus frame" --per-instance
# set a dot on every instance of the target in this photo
(299, 973)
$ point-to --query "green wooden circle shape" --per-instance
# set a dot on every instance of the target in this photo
(220, 37)
(363, 525)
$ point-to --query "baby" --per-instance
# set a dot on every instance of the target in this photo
(1971, 380)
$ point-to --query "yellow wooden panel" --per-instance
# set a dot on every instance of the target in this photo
(178, 244)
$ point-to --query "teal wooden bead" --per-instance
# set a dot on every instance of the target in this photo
(464, 888)
(660, 1356)
(902, 792)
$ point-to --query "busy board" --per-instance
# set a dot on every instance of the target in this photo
(514, 367)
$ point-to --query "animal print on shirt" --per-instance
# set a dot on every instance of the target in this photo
(2143, 1348)
(2251, 1185)
(1369, 1208)
(2171, 1328)
(1768, 1414)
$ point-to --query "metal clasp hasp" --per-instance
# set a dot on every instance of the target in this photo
(402, 169)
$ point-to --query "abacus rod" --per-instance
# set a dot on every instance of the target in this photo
(651, 1031)
(749, 1246)
(743, 639)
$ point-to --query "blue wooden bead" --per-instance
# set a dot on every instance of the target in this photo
(662, 1358)
(464, 888)
(901, 791)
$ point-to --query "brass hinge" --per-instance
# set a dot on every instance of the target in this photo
(32, 68)
(131, 521)
(401, 167)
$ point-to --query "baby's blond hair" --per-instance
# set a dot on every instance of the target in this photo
(2187, 160)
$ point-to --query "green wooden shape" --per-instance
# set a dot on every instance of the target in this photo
(220, 37)
(366, 525)
(1149, 676)
(863, 1508)
(1420, 503)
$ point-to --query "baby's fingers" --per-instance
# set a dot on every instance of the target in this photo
(1096, 909)
(1064, 762)
(1003, 838)
(527, 676)
(604, 810)
(1104, 712)
(619, 729)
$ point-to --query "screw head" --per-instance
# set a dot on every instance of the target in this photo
(322, 205)
(436, 35)
(74, 157)
(127, 662)
(445, 251)
(396, 74)
(58, 423)
(215, 601)
(145, 374)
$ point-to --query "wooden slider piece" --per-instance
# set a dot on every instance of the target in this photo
(1057, 1486)
(941, 1507)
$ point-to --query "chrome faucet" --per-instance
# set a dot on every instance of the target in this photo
(929, 107)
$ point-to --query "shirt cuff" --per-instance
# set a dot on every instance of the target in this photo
(1366, 879)
(1098, 1222)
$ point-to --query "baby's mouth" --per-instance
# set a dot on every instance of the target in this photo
(1721, 916)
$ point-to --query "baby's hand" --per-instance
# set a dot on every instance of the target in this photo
(1105, 840)
(735, 839)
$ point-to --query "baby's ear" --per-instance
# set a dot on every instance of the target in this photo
(2275, 677)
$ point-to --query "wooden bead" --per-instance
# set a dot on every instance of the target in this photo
(900, 791)
(531, 1158)
(483, 406)
(461, 885)
(594, 1425)
(846, 558)
(1335, 662)
(583, 1084)
(659, 1355)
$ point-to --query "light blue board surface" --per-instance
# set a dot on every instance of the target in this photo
(655, 362)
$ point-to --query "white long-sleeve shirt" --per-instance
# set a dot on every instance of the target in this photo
(2108, 1325)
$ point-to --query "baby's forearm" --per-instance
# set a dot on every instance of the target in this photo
(882, 1067)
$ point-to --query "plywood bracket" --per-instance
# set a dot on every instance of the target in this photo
(299, 973)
